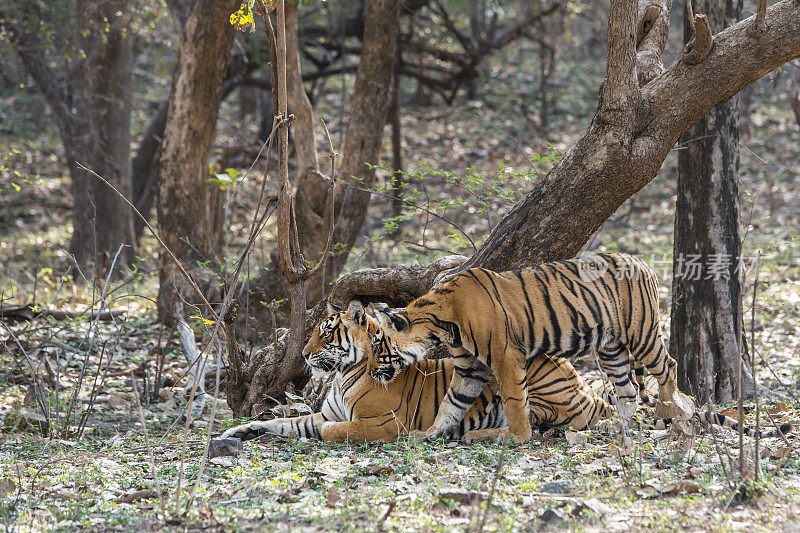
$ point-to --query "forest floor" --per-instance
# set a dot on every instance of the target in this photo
(103, 479)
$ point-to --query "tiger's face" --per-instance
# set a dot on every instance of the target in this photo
(396, 346)
(339, 341)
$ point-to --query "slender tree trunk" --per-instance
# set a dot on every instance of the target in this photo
(144, 169)
(99, 137)
(187, 201)
(795, 96)
(397, 146)
(364, 132)
(706, 330)
(362, 149)
(311, 195)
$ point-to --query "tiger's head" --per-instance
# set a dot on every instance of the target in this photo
(341, 340)
(397, 345)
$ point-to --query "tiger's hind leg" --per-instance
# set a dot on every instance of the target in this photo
(672, 402)
(512, 377)
(638, 377)
(615, 361)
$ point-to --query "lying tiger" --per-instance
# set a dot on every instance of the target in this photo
(499, 323)
(357, 409)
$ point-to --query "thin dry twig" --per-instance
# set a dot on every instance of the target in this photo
(331, 203)
(497, 470)
(709, 394)
(204, 458)
(753, 355)
(740, 410)
(155, 234)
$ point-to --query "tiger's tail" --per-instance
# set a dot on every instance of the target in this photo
(710, 417)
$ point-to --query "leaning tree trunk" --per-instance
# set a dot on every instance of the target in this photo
(628, 141)
(706, 330)
(187, 203)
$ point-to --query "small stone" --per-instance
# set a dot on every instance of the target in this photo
(556, 487)
(230, 447)
(591, 505)
(461, 496)
(221, 461)
(551, 516)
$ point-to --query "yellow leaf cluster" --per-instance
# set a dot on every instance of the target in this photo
(243, 18)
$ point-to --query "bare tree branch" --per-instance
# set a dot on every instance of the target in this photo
(757, 29)
(651, 38)
(621, 85)
(698, 48)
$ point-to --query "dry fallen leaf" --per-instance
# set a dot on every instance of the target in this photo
(782, 452)
(576, 437)
(6, 486)
(333, 496)
(625, 445)
(648, 491)
(135, 496)
(684, 486)
(777, 409)
(377, 470)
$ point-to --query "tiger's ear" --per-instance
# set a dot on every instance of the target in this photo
(355, 312)
(331, 308)
(388, 318)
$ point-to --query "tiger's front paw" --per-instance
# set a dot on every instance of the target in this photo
(431, 435)
(500, 436)
(419, 435)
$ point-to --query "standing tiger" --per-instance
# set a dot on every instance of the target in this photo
(359, 409)
(501, 323)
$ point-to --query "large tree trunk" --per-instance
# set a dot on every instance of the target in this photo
(188, 204)
(706, 330)
(364, 134)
